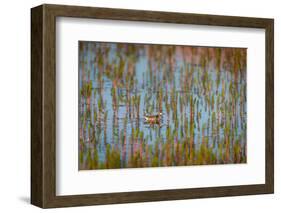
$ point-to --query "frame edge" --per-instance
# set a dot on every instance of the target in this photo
(269, 122)
(37, 197)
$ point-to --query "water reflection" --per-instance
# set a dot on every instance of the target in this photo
(160, 105)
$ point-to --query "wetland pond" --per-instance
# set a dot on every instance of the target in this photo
(148, 105)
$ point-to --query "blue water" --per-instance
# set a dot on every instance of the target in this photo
(147, 84)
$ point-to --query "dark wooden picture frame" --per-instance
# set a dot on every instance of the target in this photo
(43, 105)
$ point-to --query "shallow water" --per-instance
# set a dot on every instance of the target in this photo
(200, 91)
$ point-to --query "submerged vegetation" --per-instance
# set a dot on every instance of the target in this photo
(160, 105)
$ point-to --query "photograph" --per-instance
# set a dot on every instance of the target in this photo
(149, 104)
(159, 105)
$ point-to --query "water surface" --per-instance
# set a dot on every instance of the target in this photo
(194, 98)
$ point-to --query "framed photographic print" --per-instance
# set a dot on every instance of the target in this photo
(136, 106)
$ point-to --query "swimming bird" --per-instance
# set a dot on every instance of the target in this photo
(153, 118)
